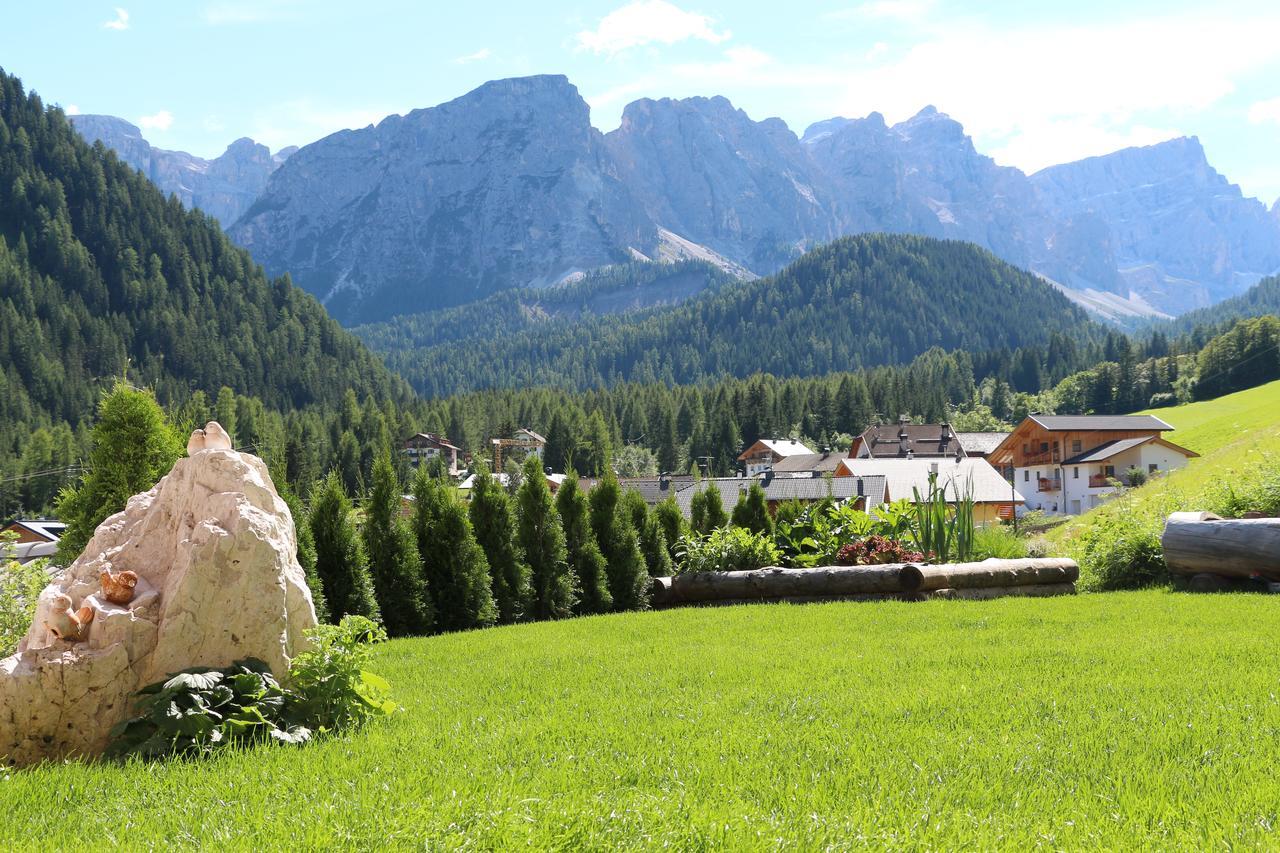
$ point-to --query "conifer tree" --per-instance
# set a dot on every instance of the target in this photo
(653, 541)
(618, 541)
(133, 447)
(454, 563)
(340, 558)
(306, 546)
(494, 525)
(585, 559)
(752, 511)
(673, 523)
(398, 580)
(540, 535)
(707, 510)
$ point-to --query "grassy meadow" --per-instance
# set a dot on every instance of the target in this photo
(1131, 720)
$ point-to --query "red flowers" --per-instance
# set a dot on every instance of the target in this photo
(876, 550)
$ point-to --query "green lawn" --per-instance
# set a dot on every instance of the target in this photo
(1130, 720)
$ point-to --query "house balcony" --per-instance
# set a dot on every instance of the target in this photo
(1099, 481)
(1048, 457)
(1049, 484)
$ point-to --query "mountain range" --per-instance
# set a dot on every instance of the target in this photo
(511, 186)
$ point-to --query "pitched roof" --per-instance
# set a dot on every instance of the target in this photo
(434, 439)
(48, 529)
(806, 462)
(1112, 449)
(786, 488)
(656, 489)
(895, 441)
(1099, 422)
(980, 443)
(783, 447)
(972, 475)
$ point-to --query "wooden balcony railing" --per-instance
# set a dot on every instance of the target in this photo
(1046, 458)
(1099, 481)
(1048, 484)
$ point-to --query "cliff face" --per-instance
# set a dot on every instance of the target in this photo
(1184, 236)
(223, 187)
(508, 185)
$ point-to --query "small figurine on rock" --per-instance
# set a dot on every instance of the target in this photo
(117, 587)
(212, 437)
(70, 625)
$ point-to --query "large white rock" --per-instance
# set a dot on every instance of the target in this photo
(214, 549)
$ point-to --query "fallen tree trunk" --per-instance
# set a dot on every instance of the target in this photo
(775, 583)
(1034, 590)
(1203, 543)
(999, 573)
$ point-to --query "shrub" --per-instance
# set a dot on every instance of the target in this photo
(998, 541)
(585, 559)
(1120, 551)
(727, 549)
(332, 689)
(876, 550)
(1135, 476)
(752, 511)
(20, 587)
(199, 710)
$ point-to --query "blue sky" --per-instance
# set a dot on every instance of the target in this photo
(1033, 83)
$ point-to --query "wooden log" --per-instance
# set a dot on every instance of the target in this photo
(999, 574)
(776, 583)
(1033, 590)
(807, 599)
(1203, 543)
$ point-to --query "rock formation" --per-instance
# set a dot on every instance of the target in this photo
(214, 551)
(223, 187)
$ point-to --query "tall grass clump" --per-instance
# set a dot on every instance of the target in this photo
(999, 542)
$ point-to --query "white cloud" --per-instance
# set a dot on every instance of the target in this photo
(71, 110)
(1043, 94)
(120, 22)
(162, 120)
(1265, 112)
(896, 10)
(648, 22)
(481, 54)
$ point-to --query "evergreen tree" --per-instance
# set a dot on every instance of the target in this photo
(585, 560)
(672, 522)
(224, 412)
(454, 563)
(398, 580)
(340, 558)
(653, 540)
(306, 547)
(494, 525)
(543, 541)
(752, 511)
(133, 447)
(618, 541)
(707, 510)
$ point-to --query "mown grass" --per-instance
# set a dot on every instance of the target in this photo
(1133, 720)
(1210, 424)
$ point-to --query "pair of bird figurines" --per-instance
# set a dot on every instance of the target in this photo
(72, 625)
(212, 437)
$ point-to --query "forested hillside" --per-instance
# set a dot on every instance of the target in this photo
(102, 276)
(1263, 298)
(861, 301)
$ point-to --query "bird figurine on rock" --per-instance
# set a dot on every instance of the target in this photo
(67, 624)
(212, 437)
(117, 587)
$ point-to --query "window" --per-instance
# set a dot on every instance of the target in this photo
(1076, 446)
(1075, 473)
(1026, 476)
(1109, 470)
(1044, 447)
(1152, 468)
(1026, 449)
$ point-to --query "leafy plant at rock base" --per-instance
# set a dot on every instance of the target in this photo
(334, 690)
(199, 710)
(20, 587)
(727, 549)
(813, 535)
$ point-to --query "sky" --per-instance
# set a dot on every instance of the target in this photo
(1033, 83)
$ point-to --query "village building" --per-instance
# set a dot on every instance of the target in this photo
(905, 440)
(1068, 464)
(36, 538)
(807, 464)
(426, 446)
(767, 452)
(517, 445)
(980, 445)
(994, 499)
(866, 492)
